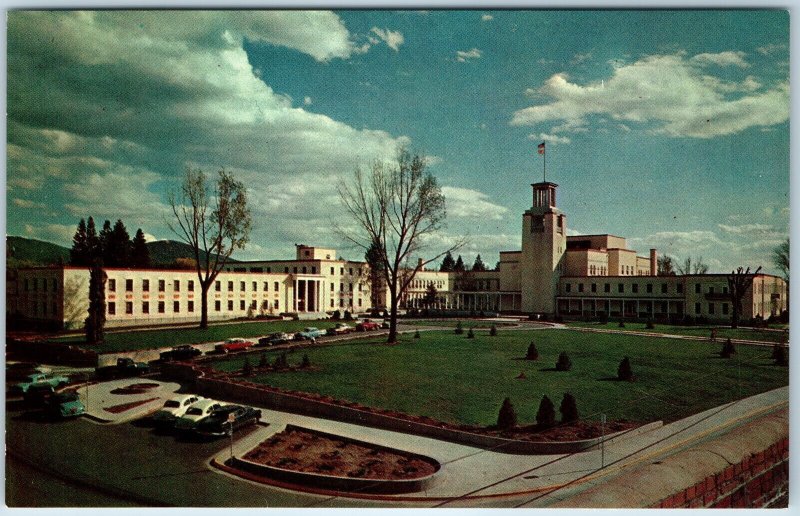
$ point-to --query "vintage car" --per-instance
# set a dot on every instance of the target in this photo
(174, 408)
(64, 404)
(227, 420)
(367, 326)
(309, 333)
(233, 345)
(196, 413)
(340, 329)
(182, 352)
(39, 379)
(274, 338)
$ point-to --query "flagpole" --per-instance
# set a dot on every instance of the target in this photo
(544, 169)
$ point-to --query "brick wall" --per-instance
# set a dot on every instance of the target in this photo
(753, 482)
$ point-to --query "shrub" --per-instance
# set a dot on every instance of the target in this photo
(281, 362)
(459, 330)
(336, 315)
(533, 353)
(781, 356)
(546, 415)
(493, 330)
(247, 367)
(621, 324)
(348, 316)
(470, 334)
(727, 349)
(263, 361)
(650, 325)
(306, 362)
(564, 363)
(507, 418)
(568, 409)
(624, 371)
(416, 334)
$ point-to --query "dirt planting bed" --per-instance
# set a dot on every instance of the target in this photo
(310, 452)
(135, 388)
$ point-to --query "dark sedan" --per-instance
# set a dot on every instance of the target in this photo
(227, 420)
(183, 352)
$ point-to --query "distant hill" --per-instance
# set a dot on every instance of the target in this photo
(27, 252)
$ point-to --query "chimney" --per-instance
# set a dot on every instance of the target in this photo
(420, 265)
(653, 262)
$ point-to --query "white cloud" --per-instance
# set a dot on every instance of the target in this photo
(487, 17)
(746, 228)
(471, 204)
(667, 93)
(463, 55)
(550, 138)
(770, 49)
(722, 59)
(57, 233)
(580, 58)
(392, 38)
(28, 204)
(307, 101)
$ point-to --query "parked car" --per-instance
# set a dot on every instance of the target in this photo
(227, 420)
(39, 379)
(273, 339)
(385, 324)
(309, 333)
(64, 404)
(182, 352)
(174, 408)
(367, 326)
(124, 368)
(18, 371)
(36, 395)
(340, 329)
(196, 413)
(233, 345)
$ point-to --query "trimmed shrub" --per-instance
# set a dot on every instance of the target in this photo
(493, 330)
(624, 371)
(306, 362)
(459, 329)
(470, 334)
(336, 315)
(728, 349)
(775, 351)
(533, 353)
(621, 324)
(247, 367)
(416, 334)
(650, 325)
(263, 361)
(507, 418)
(281, 362)
(564, 363)
(546, 415)
(781, 356)
(568, 409)
(348, 316)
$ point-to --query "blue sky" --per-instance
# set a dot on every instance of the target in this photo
(667, 127)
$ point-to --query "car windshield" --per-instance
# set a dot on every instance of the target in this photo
(172, 404)
(194, 411)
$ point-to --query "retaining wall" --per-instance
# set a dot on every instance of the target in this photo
(51, 352)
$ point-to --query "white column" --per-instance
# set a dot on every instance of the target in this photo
(294, 295)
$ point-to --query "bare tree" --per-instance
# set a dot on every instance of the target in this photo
(665, 266)
(692, 267)
(214, 223)
(780, 258)
(395, 206)
(739, 281)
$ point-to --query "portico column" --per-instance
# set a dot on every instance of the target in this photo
(296, 285)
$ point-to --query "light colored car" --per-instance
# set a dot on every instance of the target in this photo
(175, 407)
(196, 413)
(39, 379)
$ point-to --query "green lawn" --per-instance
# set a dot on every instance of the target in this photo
(452, 323)
(150, 339)
(700, 331)
(462, 380)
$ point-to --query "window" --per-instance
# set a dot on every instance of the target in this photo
(190, 306)
(276, 304)
(294, 270)
(351, 271)
(697, 288)
(313, 270)
(242, 286)
(190, 285)
(725, 308)
(351, 287)
(663, 288)
(253, 305)
(128, 307)
(359, 302)
(176, 285)
(145, 307)
(112, 286)
(176, 306)
(145, 285)
(276, 286)
(217, 285)
(341, 271)
(266, 286)
(55, 287)
(341, 287)
(649, 288)
(621, 287)
(217, 306)
(286, 269)
(304, 270)
(680, 288)
(255, 286)
(241, 304)
(161, 285)
(697, 308)
(331, 271)
(269, 269)
(607, 287)
(710, 290)
(710, 308)
(594, 287)
(568, 287)
(635, 288)
(341, 303)
(230, 286)
(128, 285)
(724, 290)
(331, 287)
(580, 287)
(230, 305)
(265, 305)
(161, 308)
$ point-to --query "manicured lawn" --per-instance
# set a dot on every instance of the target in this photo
(460, 380)
(700, 331)
(151, 339)
(452, 323)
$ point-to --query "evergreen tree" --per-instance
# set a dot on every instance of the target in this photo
(306, 362)
(507, 418)
(533, 353)
(568, 409)
(728, 349)
(94, 250)
(546, 415)
(447, 263)
(105, 242)
(247, 367)
(140, 253)
(781, 356)
(263, 361)
(478, 266)
(95, 322)
(459, 266)
(79, 252)
(377, 279)
(564, 363)
(120, 246)
(624, 371)
(470, 334)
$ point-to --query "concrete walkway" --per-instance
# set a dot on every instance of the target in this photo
(469, 472)
(98, 397)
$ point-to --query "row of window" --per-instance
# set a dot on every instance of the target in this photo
(698, 289)
(295, 270)
(420, 283)
(621, 288)
(341, 287)
(40, 310)
(711, 308)
(176, 306)
(349, 303)
(162, 285)
(32, 284)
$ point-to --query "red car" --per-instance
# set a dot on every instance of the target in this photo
(367, 326)
(233, 345)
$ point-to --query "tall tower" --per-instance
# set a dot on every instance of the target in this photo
(544, 241)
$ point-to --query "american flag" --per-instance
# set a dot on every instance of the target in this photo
(541, 148)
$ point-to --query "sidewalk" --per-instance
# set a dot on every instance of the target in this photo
(105, 406)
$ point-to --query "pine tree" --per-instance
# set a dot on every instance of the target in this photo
(105, 244)
(728, 349)
(247, 367)
(478, 266)
(94, 250)
(447, 263)
(263, 361)
(493, 331)
(470, 334)
(459, 329)
(624, 371)
(459, 266)
(507, 418)
(120, 245)
(306, 362)
(140, 253)
(95, 322)
(546, 415)
(564, 363)
(568, 409)
(533, 353)
(79, 252)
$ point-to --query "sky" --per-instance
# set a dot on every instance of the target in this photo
(670, 128)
